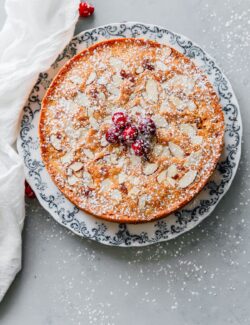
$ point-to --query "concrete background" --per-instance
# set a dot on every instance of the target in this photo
(203, 277)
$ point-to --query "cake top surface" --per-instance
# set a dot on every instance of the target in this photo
(130, 130)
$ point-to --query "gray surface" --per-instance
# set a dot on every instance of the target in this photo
(203, 277)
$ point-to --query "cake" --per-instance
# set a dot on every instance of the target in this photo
(130, 130)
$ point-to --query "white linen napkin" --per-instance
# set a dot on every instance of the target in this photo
(34, 33)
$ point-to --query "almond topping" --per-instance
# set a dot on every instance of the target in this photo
(160, 121)
(172, 171)
(162, 176)
(72, 180)
(66, 159)
(93, 122)
(187, 179)
(76, 166)
(55, 142)
(116, 195)
(106, 185)
(87, 179)
(149, 168)
(197, 140)
(122, 178)
(91, 78)
(176, 150)
(152, 90)
(89, 153)
(188, 129)
(142, 202)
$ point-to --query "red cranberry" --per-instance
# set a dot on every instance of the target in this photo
(28, 191)
(137, 146)
(129, 134)
(85, 9)
(113, 134)
(120, 119)
(147, 127)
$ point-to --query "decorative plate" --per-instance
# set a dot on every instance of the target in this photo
(126, 235)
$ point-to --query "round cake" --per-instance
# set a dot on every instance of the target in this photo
(130, 130)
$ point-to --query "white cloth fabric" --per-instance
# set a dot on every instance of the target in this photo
(35, 32)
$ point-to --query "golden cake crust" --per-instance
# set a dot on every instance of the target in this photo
(108, 180)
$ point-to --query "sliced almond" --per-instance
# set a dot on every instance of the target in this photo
(142, 202)
(165, 107)
(106, 185)
(183, 82)
(162, 176)
(72, 180)
(87, 179)
(89, 154)
(79, 173)
(139, 70)
(135, 160)
(193, 159)
(101, 95)
(187, 179)
(166, 52)
(152, 90)
(160, 121)
(177, 102)
(93, 122)
(116, 195)
(137, 110)
(165, 152)
(91, 78)
(82, 99)
(157, 150)
(170, 181)
(191, 105)
(176, 150)
(113, 90)
(76, 79)
(188, 130)
(116, 63)
(134, 192)
(122, 177)
(117, 80)
(134, 180)
(104, 142)
(161, 66)
(102, 80)
(197, 140)
(149, 168)
(67, 158)
(172, 171)
(55, 142)
(76, 166)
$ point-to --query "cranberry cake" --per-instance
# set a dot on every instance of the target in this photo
(130, 130)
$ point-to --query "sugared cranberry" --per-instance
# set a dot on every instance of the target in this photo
(129, 134)
(113, 134)
(120, 119)
(147, 127)
(86, 9)
(138, 147)
(28, 191)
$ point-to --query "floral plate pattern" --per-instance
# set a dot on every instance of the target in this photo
(126, 235)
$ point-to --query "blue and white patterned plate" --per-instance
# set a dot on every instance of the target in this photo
(108, 233)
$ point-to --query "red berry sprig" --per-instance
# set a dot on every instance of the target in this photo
(86, 9)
